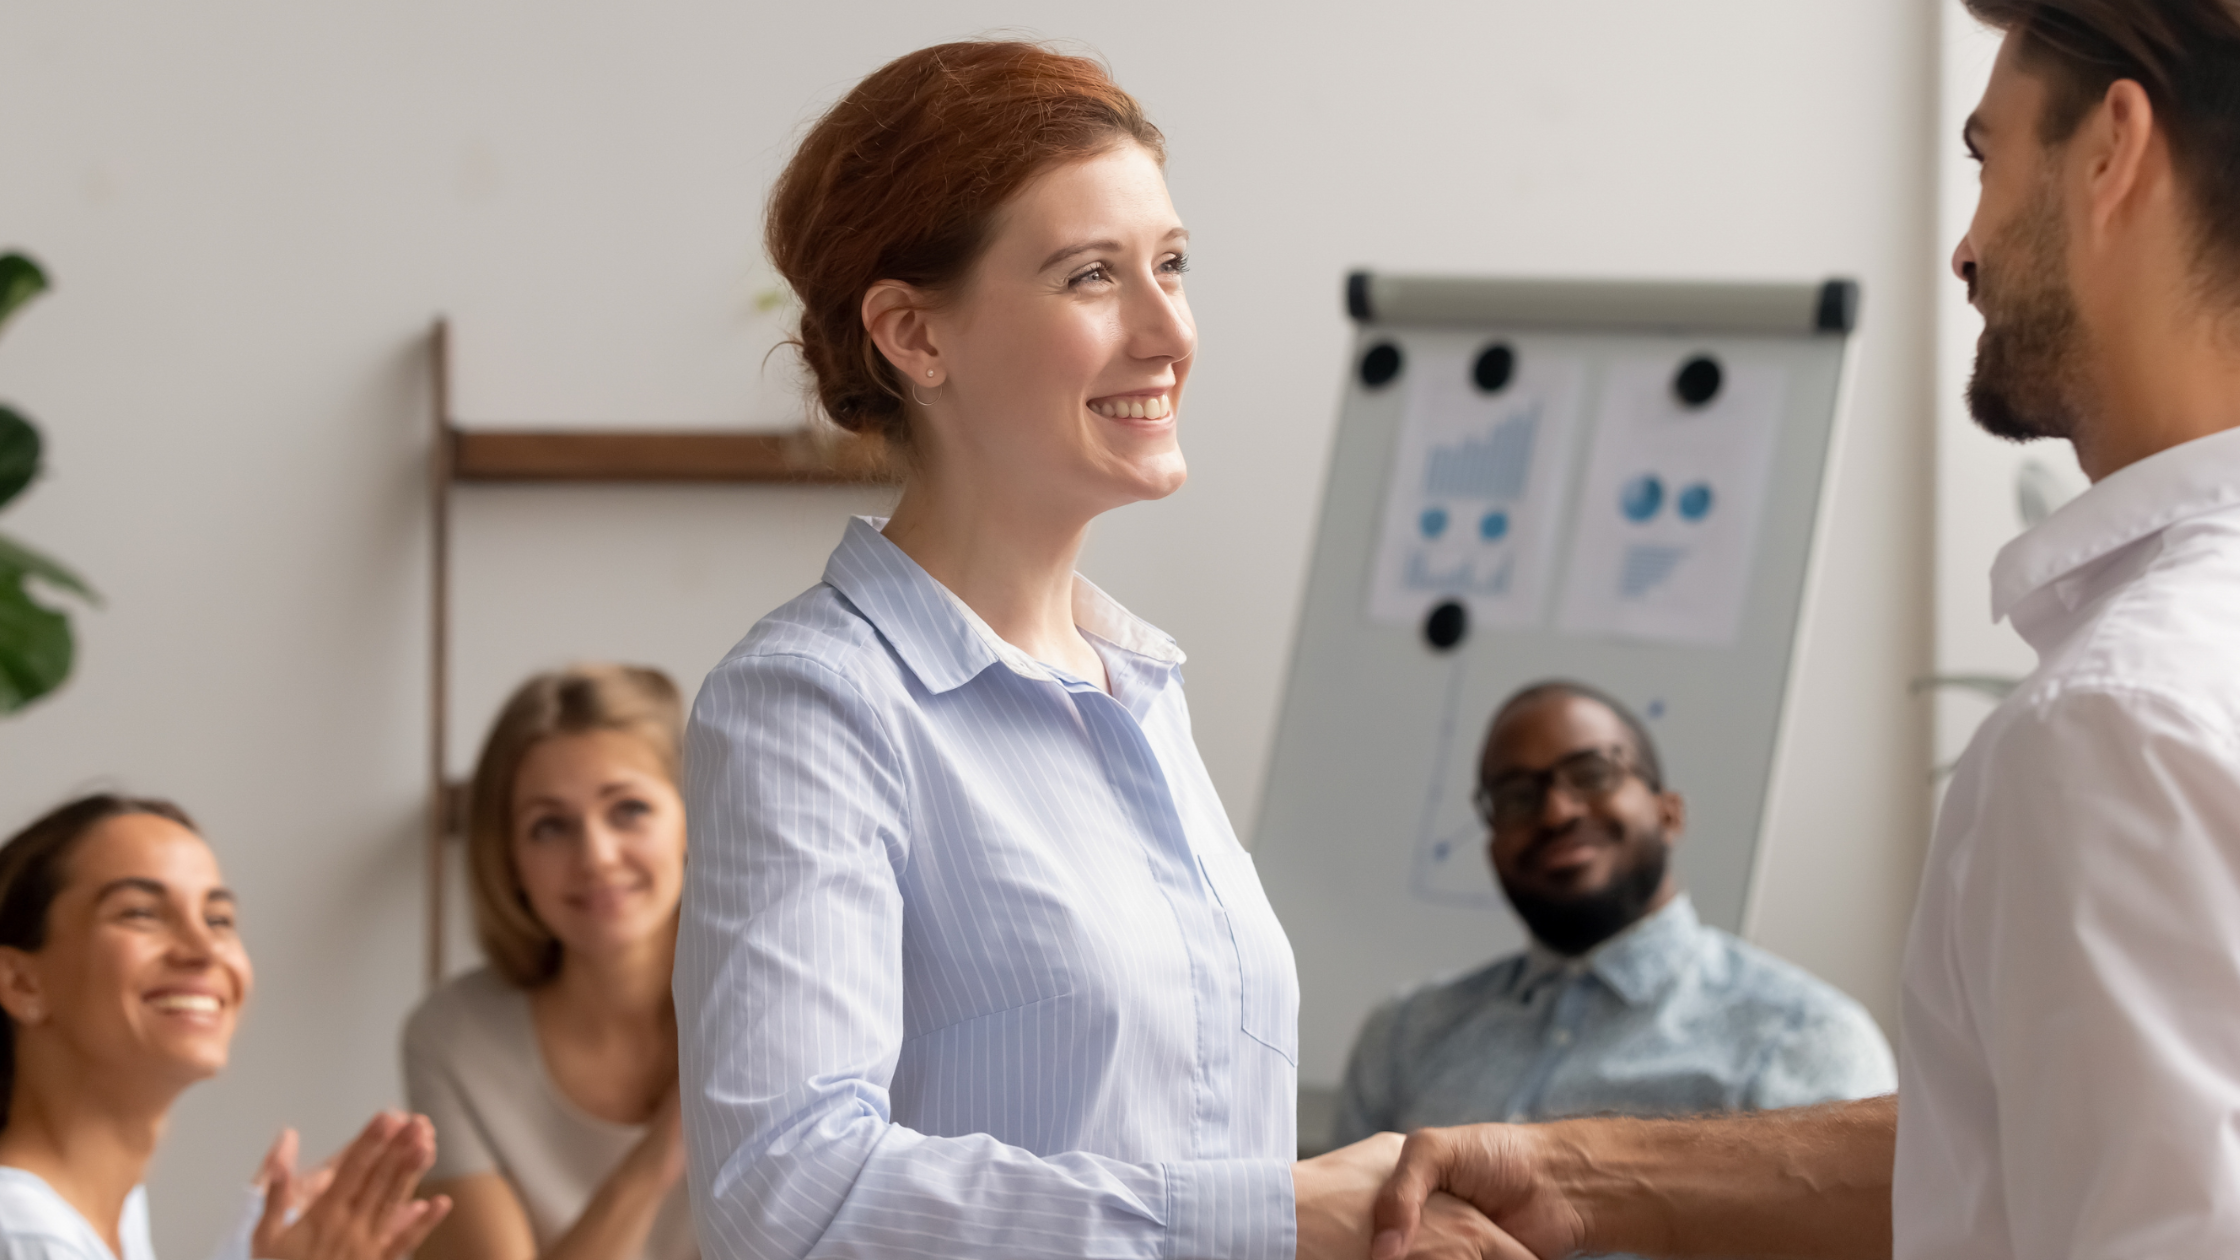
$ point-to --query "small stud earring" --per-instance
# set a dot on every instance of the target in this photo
(929, 372)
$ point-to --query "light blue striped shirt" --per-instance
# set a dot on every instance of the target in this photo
(971, 963)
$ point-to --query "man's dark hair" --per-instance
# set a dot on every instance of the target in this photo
(2185, 54)
(33, 865)
(1645, 756)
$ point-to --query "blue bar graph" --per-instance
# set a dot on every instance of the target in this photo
(1495, 466)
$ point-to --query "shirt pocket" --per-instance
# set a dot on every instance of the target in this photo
(1268, 977)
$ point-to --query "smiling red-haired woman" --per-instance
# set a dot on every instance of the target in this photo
(971, 962)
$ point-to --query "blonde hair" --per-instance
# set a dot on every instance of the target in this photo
(631, 699)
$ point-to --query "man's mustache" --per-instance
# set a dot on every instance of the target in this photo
(1545, 837)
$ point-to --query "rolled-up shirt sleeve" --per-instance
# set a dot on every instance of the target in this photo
(2101, 947)
(789, 988)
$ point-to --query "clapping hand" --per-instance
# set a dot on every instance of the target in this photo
(357, 1206)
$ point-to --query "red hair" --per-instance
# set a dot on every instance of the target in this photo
(902, 180)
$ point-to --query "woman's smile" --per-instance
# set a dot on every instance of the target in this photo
(194, 1004)
(1142, 405)
(609, 900)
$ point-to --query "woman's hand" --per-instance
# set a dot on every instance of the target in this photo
(358, 1206)
(660, 1153)
(1337, 1192)
(621, 1212)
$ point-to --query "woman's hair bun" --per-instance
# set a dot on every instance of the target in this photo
(902, 180)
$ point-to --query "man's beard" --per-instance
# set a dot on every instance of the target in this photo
(1574, 925)
(2024, 387)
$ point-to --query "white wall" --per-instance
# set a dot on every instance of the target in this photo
(253, 210)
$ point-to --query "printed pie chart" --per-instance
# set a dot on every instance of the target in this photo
(1641, 497)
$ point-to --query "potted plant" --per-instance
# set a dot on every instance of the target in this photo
(36, 646)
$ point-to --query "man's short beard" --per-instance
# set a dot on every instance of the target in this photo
(1574, 925)
(2024, 387)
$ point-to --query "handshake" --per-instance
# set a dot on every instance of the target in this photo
(1356, 1202)
(1808, 1182)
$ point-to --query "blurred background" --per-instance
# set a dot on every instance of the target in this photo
(253, 212)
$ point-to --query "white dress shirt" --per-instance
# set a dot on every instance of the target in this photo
(971, 963)
(2070, 1074)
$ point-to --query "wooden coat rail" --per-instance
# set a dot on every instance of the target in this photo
(460, 456)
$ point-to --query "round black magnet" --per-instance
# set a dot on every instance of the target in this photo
(1380, 365)
(1698, 381)
(1446, 625)
(1496, 364)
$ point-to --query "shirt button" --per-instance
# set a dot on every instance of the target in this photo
(1561, 1036)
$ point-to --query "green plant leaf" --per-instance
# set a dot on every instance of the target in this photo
(18, 562)
(19, 454)
(35, 645)
(20, 281)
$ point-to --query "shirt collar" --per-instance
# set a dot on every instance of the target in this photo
(1638, 964)
(940, 638)
(2132, 503)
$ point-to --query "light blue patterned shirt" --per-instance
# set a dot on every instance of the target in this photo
(1670, 1017)
(971, 963)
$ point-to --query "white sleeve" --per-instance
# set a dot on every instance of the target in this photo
(236, 1242)
(40, 1247)
(2099, 933)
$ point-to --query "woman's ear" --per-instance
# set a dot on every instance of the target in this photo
(895, 314)
(21, 994)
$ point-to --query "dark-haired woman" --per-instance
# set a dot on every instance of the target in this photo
(971, 962)
(122, 978)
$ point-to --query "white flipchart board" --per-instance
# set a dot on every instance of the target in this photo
(1551, 457)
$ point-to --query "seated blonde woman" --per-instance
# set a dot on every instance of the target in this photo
(551, 1073)
(123, 977)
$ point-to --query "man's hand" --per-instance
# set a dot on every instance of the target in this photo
(1453, 1230)
(1809, 1182)
(357, 1207)
(1495, 1167)
(1335, 1195)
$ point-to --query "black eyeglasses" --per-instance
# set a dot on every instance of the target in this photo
(1516, 798)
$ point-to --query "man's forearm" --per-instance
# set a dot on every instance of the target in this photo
(1807, 1183)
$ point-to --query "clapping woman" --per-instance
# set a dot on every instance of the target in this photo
(551, 1073)
(123, 977)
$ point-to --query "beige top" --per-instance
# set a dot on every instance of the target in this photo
(472, 1066)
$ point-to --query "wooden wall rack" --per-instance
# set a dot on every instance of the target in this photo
(459, 456)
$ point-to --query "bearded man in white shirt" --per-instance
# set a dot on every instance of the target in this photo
(2070, 1072)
